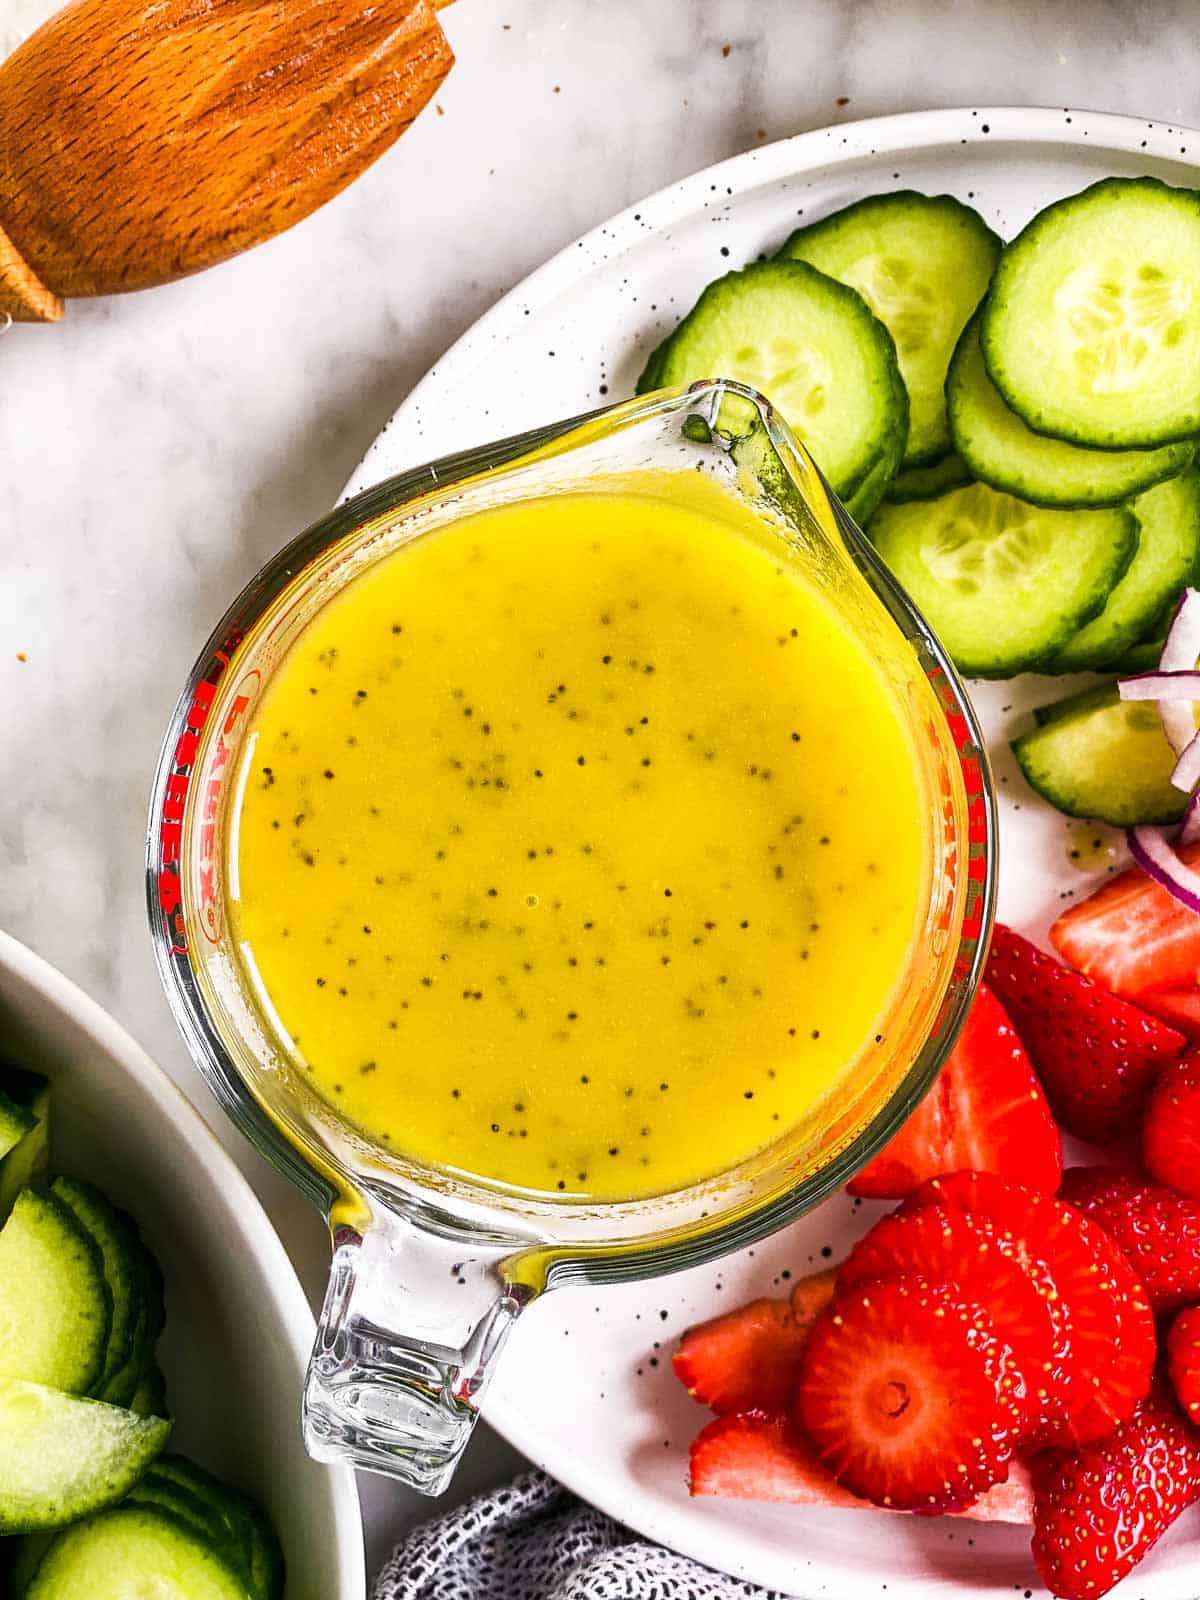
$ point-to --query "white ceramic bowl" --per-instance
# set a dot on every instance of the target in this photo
(238, 1326)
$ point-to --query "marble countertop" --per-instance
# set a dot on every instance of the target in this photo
(156, 449)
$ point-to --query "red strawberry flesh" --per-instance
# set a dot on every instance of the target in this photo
(1178, 1007)
(986, 1111)
(1090, 1188)
(1009, 1205)
(1100, 1509)
(944, 1245)
(1132, 936)
(1171, 1130)
(1096, 1054)
(1157, 1230)
(748, 1359)
(1183, 1361)
(751, 1456)
(1105, 1337)
(910, 1397)
(812, 1294)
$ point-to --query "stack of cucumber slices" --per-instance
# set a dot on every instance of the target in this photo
(83, 1418)
(1015, 426)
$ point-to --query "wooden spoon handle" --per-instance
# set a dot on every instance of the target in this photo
(142, 141)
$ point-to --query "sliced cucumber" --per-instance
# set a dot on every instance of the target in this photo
(1103, 758)
(184, 1472)
(267, 1567)
(27, 1553)
(1073, 705)
(1091, 329)
(134, 1552)
(1167, 556)
(21, 1085)
(121, 1387)
(26, 1164)
(1144, 656)
(266, 1559)
(1002, 451)
(149, 1399)
(26, 1161)
(1002, 583)
(156, 1309)
(183, 1502)
(245, 1523)
(123, 1272)
(926, 483)
(651, 372)
(15, 1122)
(63, 1457)
(922, 263)
(173, 1475)
(809, 344)
(55, 1309)
(867, 498)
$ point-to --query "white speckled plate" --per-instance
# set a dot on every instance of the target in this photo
(585, 1387)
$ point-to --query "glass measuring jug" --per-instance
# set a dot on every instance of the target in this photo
(432, 1264)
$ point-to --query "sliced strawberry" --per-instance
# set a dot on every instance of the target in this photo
(1131, 935)
(1010, 1501)
(1178, 1007)
(1157, 1229)
(985, 1111)
(1095, 1054)
(1089, 1188)
(1105, 1337)
(1183, 1360)
(747, 1359)
(1009, 1205)
(1098, 1510)
(812, 1294)
(1171, 1131)
(751, 1456)
(755, 1457)
(981, 1260)
(910, 1397)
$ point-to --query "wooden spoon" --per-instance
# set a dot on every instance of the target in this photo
(144, 139)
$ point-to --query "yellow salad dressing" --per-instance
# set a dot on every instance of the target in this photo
(582, 843)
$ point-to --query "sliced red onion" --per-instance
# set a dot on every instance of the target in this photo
(1175, 689)
(1186, 772)
(1181, 648)
(1181, 651)
(1189, 828)
(1156, 856)
(1179, 724)
(1161, 686)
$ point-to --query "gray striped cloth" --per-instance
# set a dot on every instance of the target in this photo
(531, 1540)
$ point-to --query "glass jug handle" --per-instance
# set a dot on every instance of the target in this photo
(413, 1322)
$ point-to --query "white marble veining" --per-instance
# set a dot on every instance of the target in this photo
(154, 450)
